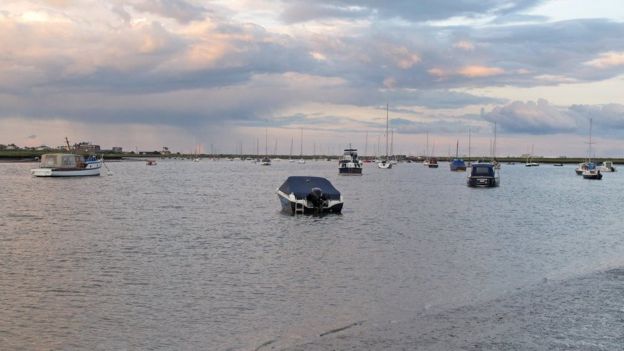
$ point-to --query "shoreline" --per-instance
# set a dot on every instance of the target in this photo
(583, 313)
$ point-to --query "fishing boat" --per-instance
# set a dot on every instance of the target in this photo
(483, 174)
(385, 163)
(607, 166)
(592, 172)
(67, 165)
(309, 195)
(349, 164)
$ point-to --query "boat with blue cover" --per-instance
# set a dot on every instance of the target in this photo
(483, 174)
(457, 164)
(309, 195)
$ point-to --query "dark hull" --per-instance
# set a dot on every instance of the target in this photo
(349, 171)
(482, 182)
(289, 207)
(592, 176)
(458, 168)
(434, 165)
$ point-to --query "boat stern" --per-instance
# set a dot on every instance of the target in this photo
(41, 172)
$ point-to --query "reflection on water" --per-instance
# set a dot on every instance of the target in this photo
(190, 255)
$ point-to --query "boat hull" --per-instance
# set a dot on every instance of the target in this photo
(292, 206)
(483, 182)
(350, 171)
(52, 172)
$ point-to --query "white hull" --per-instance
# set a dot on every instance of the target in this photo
(384, 165)
(49, 172)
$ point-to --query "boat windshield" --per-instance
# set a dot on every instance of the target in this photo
(486, 171)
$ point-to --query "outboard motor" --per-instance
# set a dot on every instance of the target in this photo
(317, 198)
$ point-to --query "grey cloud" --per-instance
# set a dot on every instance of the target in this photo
(532, 118)
(417, 11)
(179, 10)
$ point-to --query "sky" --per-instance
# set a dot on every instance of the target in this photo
(144, 74)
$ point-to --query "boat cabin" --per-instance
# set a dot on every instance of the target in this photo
(62, 161)
(482, 175)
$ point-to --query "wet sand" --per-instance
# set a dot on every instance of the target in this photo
(583, 313)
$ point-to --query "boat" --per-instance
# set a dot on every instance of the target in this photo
(483, 174)
(607, 166)
(433, 162)
(309, 195)
(591, 172)
(67, 165)
(457, 164)
(529, 162)
(581, 168)
(349, 164)
(558, 164)
(150, 162)
(266, 161)
(385, 163)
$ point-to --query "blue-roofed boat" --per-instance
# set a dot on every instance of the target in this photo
(457, 164)
(483, 174)
(309, 195)
(592, 172)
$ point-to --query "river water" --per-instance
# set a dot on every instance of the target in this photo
(188, 255)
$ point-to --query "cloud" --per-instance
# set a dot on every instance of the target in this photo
(416, 11)
(476, 71)
(532, 118)
(179, 10)
(607, 60)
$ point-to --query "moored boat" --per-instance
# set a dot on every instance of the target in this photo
(607, 166)
(67, 165)
(309, 195)
(349, 164)
(458, 165)
(580, 168)
(483, 174)
(432, 162)
(592, 172)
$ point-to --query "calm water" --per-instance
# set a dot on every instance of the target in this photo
(191, 255)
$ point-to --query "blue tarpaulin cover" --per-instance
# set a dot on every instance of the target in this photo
(302, 186)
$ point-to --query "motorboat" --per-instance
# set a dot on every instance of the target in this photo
(309, 195)
(349, 164)
(592, 172)
(432, 162)
(265, 161)
(383, 164)
(483, 174)
(581, 168)
(607, 166)
(67, 165)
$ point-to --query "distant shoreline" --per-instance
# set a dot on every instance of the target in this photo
(20, 156)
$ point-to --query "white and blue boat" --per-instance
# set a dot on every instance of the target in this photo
(67, 165)
(309, 195)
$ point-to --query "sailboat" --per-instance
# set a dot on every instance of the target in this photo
(266, 161)
(385, 164)
(457, 165)
(292, 139)
(430, 161)
(495, 162)
(197, 153)
(301, 160)
(529, 162)
(592, 172)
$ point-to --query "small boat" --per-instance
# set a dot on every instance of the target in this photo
(432, 162)
(265, 161)
(529, 162)
(483, 174)
(592, 172)
(457, 164)
(385, 163)
(150, 162)
(558, 164)
(309, 195)
(67, 165)
(581, 168)
(349, 163)
(607, 166)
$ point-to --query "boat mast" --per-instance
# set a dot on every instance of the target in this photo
(494, 147)
(292, 139)
(366, 145)
(469, 144)
(457, 149)
(386, 132)
(427, 147)
(590, 139)
(266, 143)
(301, 139)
